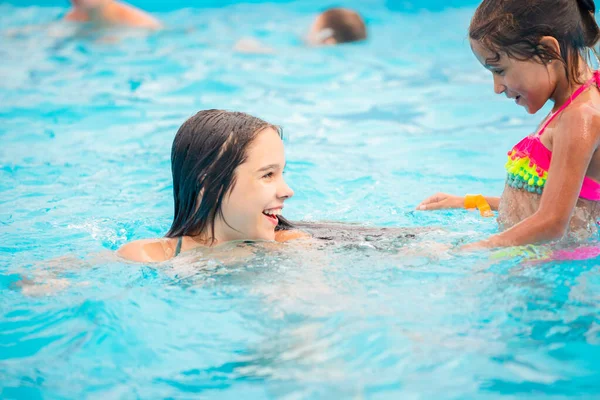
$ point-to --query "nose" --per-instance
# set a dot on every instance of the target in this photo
(284, 191)
(499, 87)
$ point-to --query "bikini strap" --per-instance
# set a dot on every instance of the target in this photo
(594, 79)
(178, 248)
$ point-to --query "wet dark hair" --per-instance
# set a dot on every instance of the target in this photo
(515, 27)
(206, 151)
(347, 25)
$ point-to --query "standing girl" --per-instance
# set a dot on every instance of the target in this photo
(538, 50)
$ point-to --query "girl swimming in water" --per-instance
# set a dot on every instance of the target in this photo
(227, 184)
(537, 50)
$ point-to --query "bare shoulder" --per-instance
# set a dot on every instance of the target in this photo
(581, 122)
(586, 112)
(148, 250)
(592, 113)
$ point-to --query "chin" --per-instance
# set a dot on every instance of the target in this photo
(532, 110)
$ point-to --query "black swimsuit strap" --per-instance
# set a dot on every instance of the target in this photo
(178, 248)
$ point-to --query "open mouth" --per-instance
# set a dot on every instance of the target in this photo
(517, 99)
(272, 215)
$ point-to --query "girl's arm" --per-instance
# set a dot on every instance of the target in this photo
(574, 145)
(443, 201)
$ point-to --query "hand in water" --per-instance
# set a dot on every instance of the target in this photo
(477, 246)
(441, 201)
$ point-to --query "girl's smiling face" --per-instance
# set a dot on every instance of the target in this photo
(530, 83)
(250, 209)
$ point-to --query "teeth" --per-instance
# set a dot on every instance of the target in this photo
(272, 212)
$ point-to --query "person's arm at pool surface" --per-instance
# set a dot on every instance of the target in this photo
(441, 201)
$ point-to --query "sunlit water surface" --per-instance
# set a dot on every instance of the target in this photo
(86, 124)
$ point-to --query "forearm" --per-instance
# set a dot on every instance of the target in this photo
(532, 230)
(494, 202)
(440, 201)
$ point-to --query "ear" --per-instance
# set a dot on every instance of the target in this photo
(550, 43)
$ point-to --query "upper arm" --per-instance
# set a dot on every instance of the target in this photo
(574, 145)
(150, 250)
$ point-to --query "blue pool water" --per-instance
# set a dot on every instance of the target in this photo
(86, 125)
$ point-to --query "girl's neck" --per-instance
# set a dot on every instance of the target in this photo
(565, 87)
(200, 241)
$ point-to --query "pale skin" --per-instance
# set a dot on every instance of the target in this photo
(259, 187)
(573, 137)
(110, 12)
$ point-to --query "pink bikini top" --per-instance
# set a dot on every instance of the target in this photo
(529, 161)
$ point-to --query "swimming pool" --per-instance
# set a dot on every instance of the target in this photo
(86, 124)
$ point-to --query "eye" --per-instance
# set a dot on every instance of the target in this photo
(268, 175)
(499, 72)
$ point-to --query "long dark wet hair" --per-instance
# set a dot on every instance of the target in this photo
(206, 151)
(515, 27)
